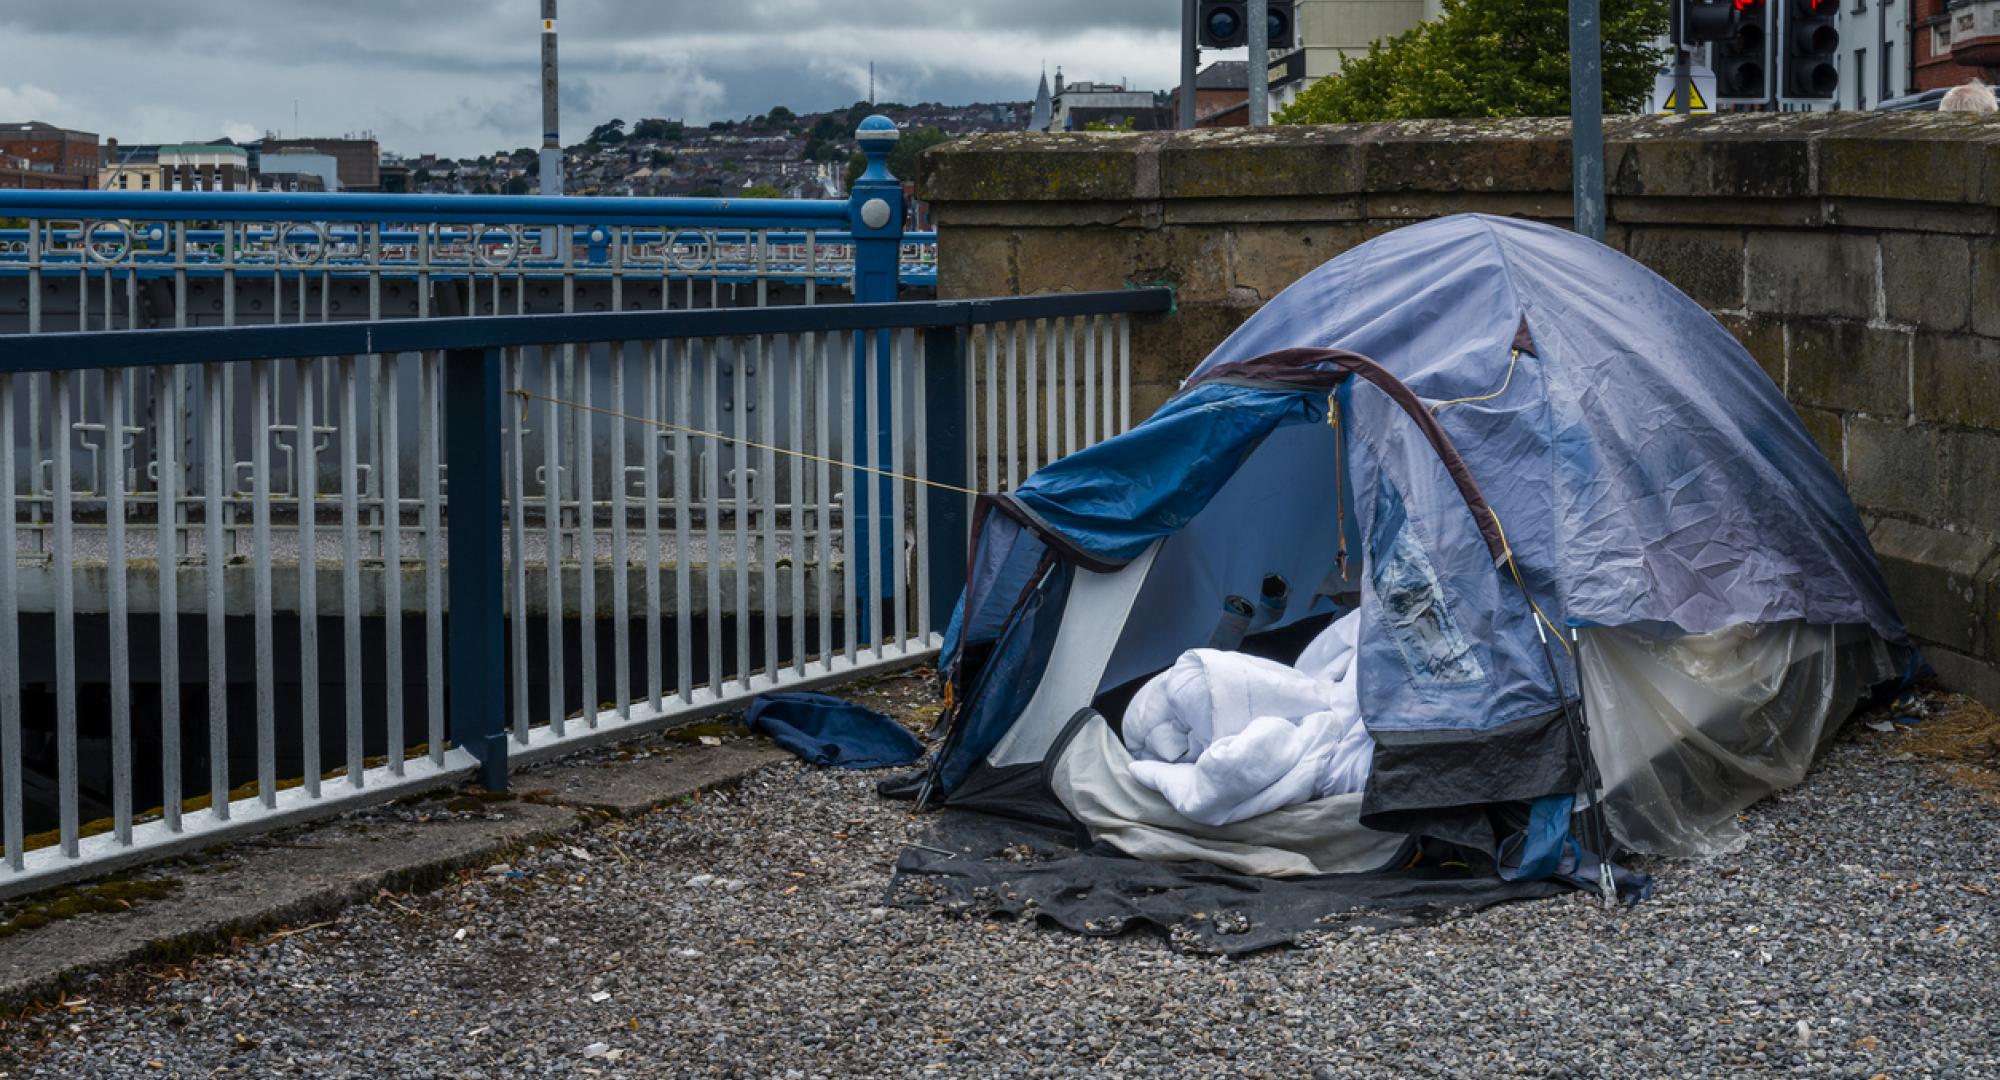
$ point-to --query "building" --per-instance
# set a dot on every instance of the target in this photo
(1044, 109)
(1222, 90)
(178, 167)
(18, 172)
(1875, 48)
(297, 171)
(359, 160)
(1953, 42)
(1076, 106)
(52, 151)
(1332, 30)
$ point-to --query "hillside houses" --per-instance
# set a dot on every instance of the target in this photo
(780, 153)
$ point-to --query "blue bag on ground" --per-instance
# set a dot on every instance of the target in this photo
(828, 731)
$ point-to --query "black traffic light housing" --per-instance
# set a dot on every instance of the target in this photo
(1703, 20)
(1808, 51)
(1742, 56)
(1225, 24)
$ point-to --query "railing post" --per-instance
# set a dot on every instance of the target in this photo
(875, 217)
(949, 436)
(475, 672)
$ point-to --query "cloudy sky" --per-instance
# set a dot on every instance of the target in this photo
(460, 76)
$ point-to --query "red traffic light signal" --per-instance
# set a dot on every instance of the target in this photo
(1741, 56)
(1808, 51)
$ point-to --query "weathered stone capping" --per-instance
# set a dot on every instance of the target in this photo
(1857, 256)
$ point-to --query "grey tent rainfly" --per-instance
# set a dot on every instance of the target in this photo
(1586, 585)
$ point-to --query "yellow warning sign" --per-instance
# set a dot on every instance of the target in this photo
(1696, 103)
(548, 26)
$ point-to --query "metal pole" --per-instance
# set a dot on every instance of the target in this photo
(1586, 118)
(552, 163)
(1259, 15)
(950, 513)
(1683, 81)
(875, 212)
(1190, 61)
(476, 633)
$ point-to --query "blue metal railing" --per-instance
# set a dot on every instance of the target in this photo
(128, 237)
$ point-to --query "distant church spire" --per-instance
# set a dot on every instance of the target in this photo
(1044, 112)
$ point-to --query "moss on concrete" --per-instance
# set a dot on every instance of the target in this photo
(106, 896)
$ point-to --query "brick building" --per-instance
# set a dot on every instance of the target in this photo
(1952, 42)
(57, 156)
(359, 160)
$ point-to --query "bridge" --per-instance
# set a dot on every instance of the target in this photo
(319, 500)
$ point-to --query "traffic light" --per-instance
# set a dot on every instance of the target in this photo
(1808, 51)
(1703, 20)
(1225, 24)
(1742, 57)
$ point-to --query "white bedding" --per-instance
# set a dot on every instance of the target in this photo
(1224, 736)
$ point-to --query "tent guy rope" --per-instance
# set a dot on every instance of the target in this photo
(529, 395)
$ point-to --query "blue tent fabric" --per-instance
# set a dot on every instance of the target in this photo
(825, 730)
(1643, 467)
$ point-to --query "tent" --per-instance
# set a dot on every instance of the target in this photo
(1604, 578)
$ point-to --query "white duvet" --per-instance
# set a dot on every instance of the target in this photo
(1224, 736)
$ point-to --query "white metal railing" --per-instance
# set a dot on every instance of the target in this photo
(274, 606)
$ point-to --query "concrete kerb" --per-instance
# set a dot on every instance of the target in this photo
(312, 873)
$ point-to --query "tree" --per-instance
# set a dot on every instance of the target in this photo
(828, 128)
(1487, 58)
(781, 116)
(763, 191)
(1129, 123)
(516, 185)
(657, 129)
(610, 131)
(903, 159)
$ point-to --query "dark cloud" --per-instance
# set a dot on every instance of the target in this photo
(459, 76)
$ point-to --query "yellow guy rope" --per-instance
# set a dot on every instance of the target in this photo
(529, 395)
(1504, 383)
(1515, 567)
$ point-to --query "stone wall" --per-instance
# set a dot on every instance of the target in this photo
(1857, 256)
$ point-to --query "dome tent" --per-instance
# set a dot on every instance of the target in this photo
(1597, 561)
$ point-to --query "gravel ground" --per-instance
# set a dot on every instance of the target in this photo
(740, 935)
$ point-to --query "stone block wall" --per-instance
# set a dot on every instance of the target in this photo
(1857, 256)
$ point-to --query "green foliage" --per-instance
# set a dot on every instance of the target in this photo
(764, 191)
(610, 131)
(828, 128)
(780, 115)
(516, 185)
(1487, 58)
(658, 129)
(1130, 123)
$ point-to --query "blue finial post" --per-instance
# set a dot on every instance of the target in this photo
(875, 216)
